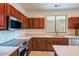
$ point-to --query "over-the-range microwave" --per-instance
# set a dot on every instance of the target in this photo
(14, 23)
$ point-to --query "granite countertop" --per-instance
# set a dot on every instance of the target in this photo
(62, 50)
(7, 50)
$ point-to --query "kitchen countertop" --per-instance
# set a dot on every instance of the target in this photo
(14, 42)
(29, 36)
(62, 50)
(7, 50)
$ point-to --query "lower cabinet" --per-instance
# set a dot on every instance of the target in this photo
(45, 44)
(15, 53)
(55, 41)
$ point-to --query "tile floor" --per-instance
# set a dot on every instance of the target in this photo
(41, 53)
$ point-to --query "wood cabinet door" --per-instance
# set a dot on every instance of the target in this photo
(2, 7)
(13, 11)
(73, 23)
(55, 41)
(8, 9)
(60, 41)
(14, 53)
(30, 23)
(36, 21)
(49, 43)
(3, 22)
(24, 22)
(30, 47)
(38, 44)
(41, 23)
(18, 15)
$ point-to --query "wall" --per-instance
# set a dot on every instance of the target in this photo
(69, 13)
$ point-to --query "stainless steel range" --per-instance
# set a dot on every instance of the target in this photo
(21, 43)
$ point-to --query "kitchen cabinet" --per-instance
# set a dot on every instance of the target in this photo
(3, 20)
(15, 53)
(13, 12)
(36, 23)
(30, 48)
(38, 44)
(73, 23)
(8, 10)
(45, 44)
(30, 23)
(3, 24)
(41, 23)
(24, 22)
(18, 15)
(56, 41)
(2, 7)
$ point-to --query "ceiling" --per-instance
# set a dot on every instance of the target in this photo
(49, 6)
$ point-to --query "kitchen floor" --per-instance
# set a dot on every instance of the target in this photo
(41, 53)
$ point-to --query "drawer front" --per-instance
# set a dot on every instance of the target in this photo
(60, 41)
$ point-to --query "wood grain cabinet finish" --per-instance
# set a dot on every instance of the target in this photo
(15, 53)
(3, 20)
(45, 44)
(73, 23)
(24, 22)
(8, 10)
(2, 7)
(41, 23)
(36, 23)
(30, 46)
(56, 41)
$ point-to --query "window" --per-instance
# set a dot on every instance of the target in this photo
(56, 24)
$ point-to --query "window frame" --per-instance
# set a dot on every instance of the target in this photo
(55, 24)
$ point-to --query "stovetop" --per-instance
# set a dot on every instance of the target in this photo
(13, 42)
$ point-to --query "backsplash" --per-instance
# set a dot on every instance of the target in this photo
(6, 35)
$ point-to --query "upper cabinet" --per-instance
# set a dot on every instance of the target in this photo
(36, 23)
(11, 11)
(2, 16)
(2, 7)
(8, 10)
(73, 23)
(42, 23)
(24, 22)
(27, 23)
